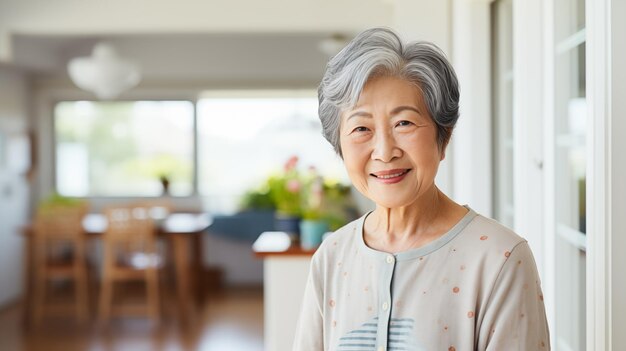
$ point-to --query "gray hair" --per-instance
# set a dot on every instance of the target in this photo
(380, 52)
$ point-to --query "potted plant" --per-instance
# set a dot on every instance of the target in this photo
(285, 191)
(306, 205)
(314, 224)
(165, 183)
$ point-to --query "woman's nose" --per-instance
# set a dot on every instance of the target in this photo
(385, 147)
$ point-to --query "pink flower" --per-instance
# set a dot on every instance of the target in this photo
(291, 163)
(293, 186)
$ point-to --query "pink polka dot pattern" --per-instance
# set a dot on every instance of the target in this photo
(470, 314)
(331, 303)
(484, 237)
(507, 254)
(451, 348)
(455, 290)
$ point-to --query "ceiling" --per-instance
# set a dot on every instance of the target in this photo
(186, 57)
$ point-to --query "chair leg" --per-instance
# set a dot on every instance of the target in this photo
(106, 291)
(82, 299)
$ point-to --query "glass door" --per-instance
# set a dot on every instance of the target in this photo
(569, 174)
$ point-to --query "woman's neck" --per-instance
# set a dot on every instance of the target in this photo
(403, 228)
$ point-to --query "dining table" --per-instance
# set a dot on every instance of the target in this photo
(183, 233)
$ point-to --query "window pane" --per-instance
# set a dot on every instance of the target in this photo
(570, 18)
(124, 148)
(242, 140)
(570, 113)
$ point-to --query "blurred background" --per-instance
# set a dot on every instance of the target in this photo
(164, 181)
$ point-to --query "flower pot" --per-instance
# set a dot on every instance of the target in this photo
(311, 233)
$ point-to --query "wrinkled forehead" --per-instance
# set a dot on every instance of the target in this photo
(391, 90)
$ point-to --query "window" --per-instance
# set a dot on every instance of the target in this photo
(124, 148)
(245, 136)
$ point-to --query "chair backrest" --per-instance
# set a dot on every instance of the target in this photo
(129, 223)
(158, 208)
(60, 222)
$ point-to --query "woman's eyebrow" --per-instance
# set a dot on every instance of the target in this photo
(395, 111)
(399, 109)
(359, 114)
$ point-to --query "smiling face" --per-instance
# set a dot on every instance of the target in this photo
(389, 143)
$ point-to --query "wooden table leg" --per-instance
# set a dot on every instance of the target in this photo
(198, 286)
(28, 275)
(180, 246)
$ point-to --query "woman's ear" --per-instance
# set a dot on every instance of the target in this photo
(442, 151)
(444, 146)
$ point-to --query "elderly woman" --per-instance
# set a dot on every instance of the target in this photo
(420, 272)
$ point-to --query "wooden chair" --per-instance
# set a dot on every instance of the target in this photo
(130, 254)
(59, 253)
(159, 207)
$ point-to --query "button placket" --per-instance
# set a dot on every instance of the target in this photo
(384, 310)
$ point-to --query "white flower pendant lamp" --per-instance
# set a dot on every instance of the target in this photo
(104, 73)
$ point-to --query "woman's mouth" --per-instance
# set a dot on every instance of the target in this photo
(390, 176)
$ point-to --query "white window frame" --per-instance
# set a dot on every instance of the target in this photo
(606, 79)
(606, 84)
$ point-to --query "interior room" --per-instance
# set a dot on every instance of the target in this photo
(183, 140)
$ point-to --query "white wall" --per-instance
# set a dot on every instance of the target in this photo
(471, 141)
(14, 189)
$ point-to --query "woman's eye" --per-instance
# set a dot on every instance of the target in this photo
(404, 123)
(360, 129)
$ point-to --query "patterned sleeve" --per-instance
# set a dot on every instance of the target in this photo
(309, 331)
(515, 317)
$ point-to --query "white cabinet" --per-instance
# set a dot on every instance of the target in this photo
(284, 280)
(285, 272)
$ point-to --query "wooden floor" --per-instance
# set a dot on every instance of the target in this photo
(230, 320)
